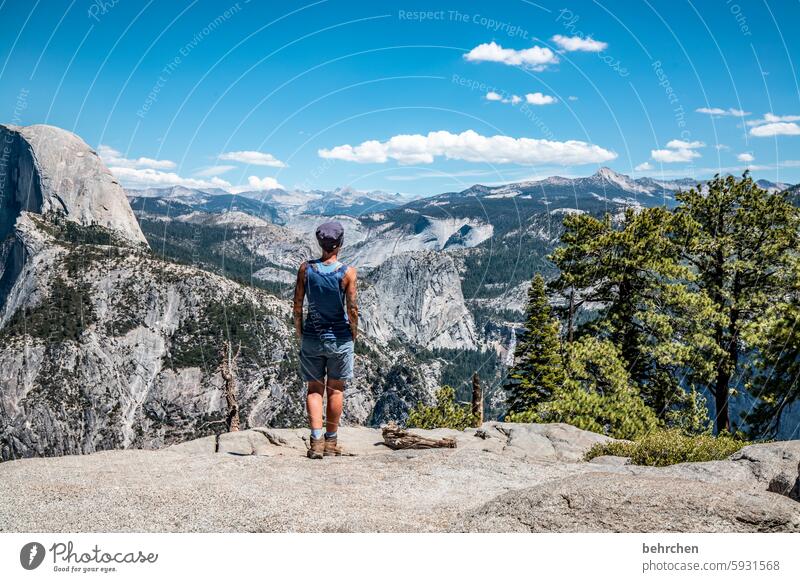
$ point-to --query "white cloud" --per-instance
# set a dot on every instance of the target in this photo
(772, 118)
(745, 157)
(722, 112)
(579, 43)
(643, 167)
(150, 178)
(681, 144)
(673, 156)
(721, 146)
(253, 158)
(773, 129)
(266, 183)
(213, 171)
(677, 150)
(539, 99)
(494, 96)
(112, 157)
(138, 178)
(572, 98)
(472, 147)
(535, 57)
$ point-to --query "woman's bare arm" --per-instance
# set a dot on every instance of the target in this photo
(299, 295)
(351, 294)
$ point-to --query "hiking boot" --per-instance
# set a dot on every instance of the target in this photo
(331, 448)
(317, 448)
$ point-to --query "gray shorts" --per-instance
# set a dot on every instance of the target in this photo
(320, 358)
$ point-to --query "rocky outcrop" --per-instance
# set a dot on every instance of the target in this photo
(413, 232)
(539, 442)
(416, 298)
(499, 478)
(777, 465)
(51, 171)
(609, 502)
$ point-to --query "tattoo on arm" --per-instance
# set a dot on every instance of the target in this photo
(299, 295)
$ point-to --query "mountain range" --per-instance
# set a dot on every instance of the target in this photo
(114, 304)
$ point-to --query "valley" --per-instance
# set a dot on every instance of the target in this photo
(115, 304)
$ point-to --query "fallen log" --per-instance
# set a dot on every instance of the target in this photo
(397, 438)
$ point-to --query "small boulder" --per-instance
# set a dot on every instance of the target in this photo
(244, 442)
(775, 464)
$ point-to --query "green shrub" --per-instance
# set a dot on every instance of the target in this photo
(525, 416)
(668, 447)
(447, 413)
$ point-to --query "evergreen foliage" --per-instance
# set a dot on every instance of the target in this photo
(740, 241)
(647, 309)
(537, 372)
(446, 413)
(775, 378)
(597, 395)
(692, 299)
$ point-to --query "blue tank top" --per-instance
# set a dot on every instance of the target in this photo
(327, 316)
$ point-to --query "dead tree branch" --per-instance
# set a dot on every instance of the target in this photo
(396, 438)
(227, 368)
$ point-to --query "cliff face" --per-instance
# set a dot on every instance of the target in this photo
(106, 346)
(53, 173)
(49, 171)
(416, 298)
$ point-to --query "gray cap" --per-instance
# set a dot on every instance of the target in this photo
(330, 234)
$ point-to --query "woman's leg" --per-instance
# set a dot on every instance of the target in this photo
(314, 404)
(335, 391)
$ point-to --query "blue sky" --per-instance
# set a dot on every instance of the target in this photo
(412, 97)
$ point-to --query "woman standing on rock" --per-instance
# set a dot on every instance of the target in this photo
(327, 334)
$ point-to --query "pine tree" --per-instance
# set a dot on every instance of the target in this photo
(740, 240)
(775, 379)
(598, 394)
(538, 368)
(632, 271)
(579, 261)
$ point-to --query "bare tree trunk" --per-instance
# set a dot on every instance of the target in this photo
(477, 400)
(227, 368)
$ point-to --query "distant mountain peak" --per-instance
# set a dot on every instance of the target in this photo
(608, 173)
